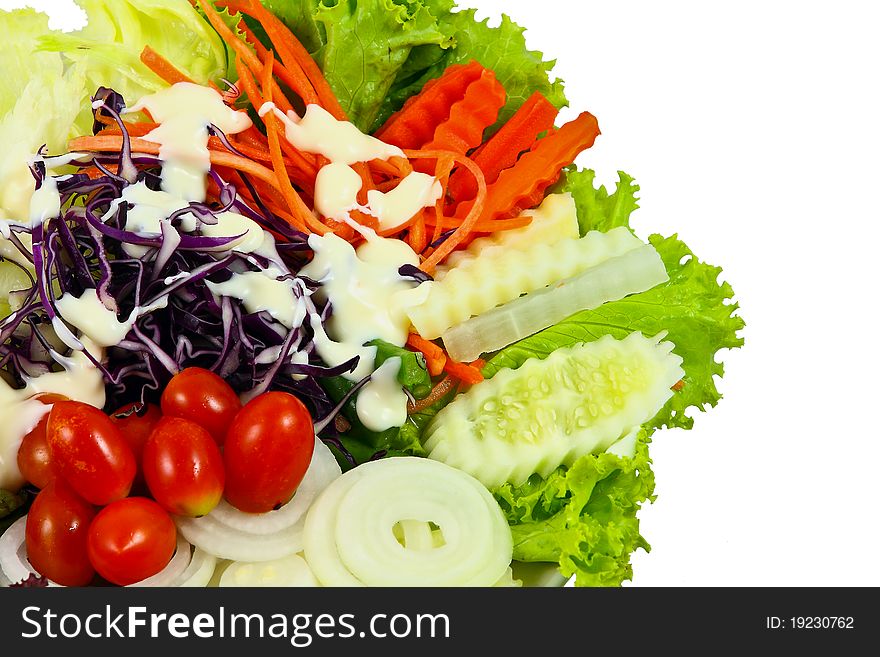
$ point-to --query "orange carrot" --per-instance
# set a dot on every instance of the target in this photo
(415, 123)
(300, 211)
(439, 391)
(474, 212)
(482, 226)
(522, 186)
(435, 357)
(470, 116)
(465, 373)
(162, 67)
(444, 168)
(504, 148)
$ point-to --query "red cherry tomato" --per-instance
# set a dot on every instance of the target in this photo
(33, 453)
(201, 397)
(136, 422)
(130, 540)
(183, 467)
(268, 450)
(57, 532)
(89, 452)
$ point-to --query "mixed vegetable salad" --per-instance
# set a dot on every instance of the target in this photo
(302, 293)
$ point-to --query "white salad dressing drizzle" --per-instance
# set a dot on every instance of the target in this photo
(19, 412)
(395, 207)
(96, 321)
(336, 190)
(381, 403)
(184, 111)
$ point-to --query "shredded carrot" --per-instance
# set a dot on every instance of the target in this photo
(302, 215)
(435, 357)
(417, 237)
(443, 388)
(293, 53)
(476, 209)
(444, 168)
(482, 226)
(241, 48)
(162, 67)
(465, 373)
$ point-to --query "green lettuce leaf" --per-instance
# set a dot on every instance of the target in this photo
(596, 208)
(501, 49)
(583, 517)
(413, 374)
(367, 42)
(299, 16)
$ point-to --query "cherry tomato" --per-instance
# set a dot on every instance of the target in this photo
(90, 452)
(201, 397)
(136, 422)
(268, 450)
(130, 540)
(33, 453)
(56, 535)
(183, 467)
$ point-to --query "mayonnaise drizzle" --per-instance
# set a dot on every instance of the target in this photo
(381, 403)
(184, 111)
(396, 207)
(96, 321)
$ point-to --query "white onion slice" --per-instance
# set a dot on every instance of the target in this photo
(174, 569)
(292, 571)
(199, 571)
(322, 470)
(13, 559)
(350, 530)
(228, 533)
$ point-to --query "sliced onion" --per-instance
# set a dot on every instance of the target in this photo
(322, 470)
(174, 569)
(13, 553)
(350, 529)
(199, 571)
(228, 533)
(292, 571)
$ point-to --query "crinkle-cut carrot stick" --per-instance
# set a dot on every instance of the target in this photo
(504, 148)
(470, 116)
(465, 373)
(415, 123)
(522, 185)
(304, 220)
(452, 242)
(162, 67)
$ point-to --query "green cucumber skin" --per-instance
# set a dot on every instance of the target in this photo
(550, 412)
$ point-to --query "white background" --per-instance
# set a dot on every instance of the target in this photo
(752, 128)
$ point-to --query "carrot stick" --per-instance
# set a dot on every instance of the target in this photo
(444, 168)
(522, 186)
(414, 124)
(504, 148)
(435, 357)
(162, 67)
(301, 213)
(464, 373)
(481, 226)
(440, 390)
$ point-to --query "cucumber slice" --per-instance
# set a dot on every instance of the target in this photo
(503, 274)
(550, 412)
(635, 271)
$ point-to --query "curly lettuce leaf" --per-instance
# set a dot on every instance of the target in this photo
(367, 42)
(583, 517)
(502, 49)
(299, 16)
(596, 208)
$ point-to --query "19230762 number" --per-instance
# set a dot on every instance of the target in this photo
(821, 622)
